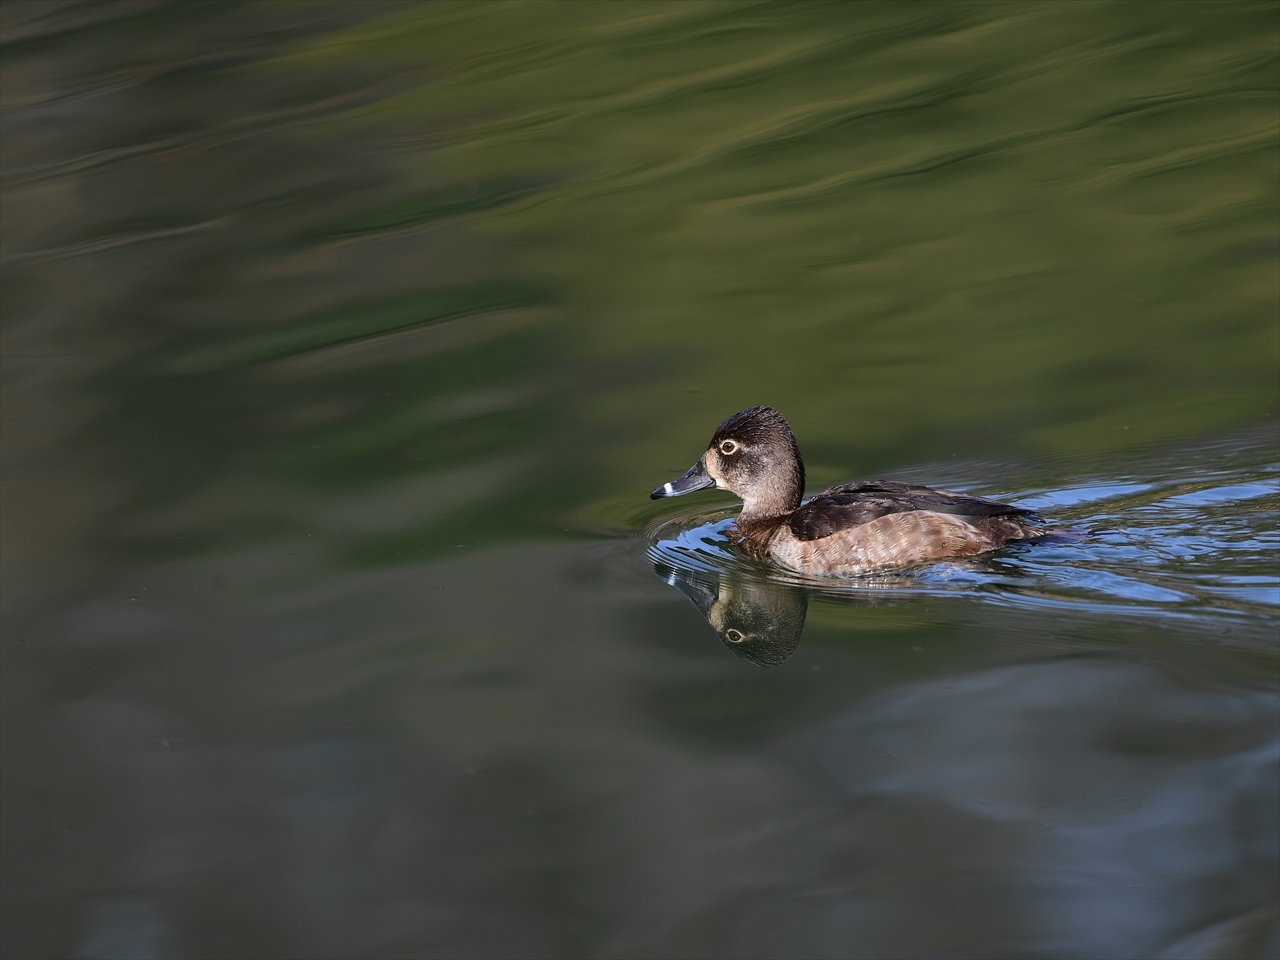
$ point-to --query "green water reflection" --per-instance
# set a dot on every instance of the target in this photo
(343, 342)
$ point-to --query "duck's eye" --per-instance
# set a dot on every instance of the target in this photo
(734, 636)
(728, 448)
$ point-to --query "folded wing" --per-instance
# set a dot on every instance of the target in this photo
(851, 504)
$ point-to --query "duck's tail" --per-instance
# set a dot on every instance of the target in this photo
(1027, 528)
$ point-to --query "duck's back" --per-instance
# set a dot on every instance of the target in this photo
(853, 504)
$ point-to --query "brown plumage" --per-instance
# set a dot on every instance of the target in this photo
(847, 529)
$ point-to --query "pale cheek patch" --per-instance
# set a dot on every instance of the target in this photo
(713, 467)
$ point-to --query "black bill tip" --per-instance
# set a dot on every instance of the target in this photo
(695, 478)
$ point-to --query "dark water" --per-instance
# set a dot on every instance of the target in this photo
(342, 344)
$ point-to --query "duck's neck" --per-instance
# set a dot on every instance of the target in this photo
(776, 498)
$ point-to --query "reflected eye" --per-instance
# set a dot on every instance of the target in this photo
(728, 447)
(734, 636)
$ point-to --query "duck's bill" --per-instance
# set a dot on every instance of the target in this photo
(695, 478)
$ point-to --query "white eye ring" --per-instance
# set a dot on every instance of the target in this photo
(734, 636)
(728, 447)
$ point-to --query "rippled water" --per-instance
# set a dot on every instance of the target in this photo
(341, 344)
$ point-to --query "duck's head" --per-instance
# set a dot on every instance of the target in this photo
(753, 455)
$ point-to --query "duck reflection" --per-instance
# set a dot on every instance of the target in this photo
(758, 620)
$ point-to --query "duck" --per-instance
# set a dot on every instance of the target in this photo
(845, 530)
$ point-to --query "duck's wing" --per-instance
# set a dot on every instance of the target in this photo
(852, 504)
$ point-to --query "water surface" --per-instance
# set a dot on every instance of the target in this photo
(342, 343)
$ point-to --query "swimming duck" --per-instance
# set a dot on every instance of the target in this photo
(847, 529)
